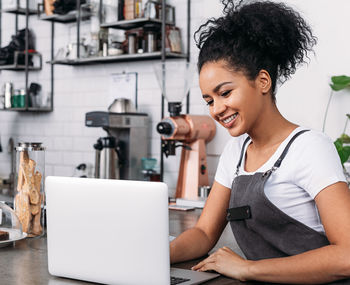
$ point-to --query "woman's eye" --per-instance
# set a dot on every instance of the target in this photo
(225, 93)
(210, 102)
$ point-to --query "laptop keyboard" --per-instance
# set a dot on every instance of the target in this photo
(177, 280)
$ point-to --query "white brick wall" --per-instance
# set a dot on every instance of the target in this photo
(79, 90)
(85, 88)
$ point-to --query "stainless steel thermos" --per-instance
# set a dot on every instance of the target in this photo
(106, 158)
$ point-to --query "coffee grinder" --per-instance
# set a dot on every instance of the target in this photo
(191, 132)
(119, 156)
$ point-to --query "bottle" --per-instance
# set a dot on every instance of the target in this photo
(8, 94)
(21, 99)
(15, 97)
(138, 8)
(103, 41)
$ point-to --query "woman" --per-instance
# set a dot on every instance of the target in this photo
(279, 185)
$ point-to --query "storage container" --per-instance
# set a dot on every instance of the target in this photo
(29, 196)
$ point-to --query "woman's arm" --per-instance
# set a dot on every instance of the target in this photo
(197, 241)
(317, 266)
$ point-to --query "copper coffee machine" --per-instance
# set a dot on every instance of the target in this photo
(191, 132)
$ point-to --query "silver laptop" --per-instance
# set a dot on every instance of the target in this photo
(111, 231)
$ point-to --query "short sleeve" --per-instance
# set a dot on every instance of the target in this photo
(318, 165)
(222, 172)
(228, 161)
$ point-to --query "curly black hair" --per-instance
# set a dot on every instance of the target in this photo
(256, 35)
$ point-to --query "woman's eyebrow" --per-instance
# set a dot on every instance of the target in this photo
(217, 88)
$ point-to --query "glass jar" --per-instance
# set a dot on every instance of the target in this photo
(110, 11)
(29, 187)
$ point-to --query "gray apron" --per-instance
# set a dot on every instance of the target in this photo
(260, 228)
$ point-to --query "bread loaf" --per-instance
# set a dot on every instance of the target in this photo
(28, 172)
(23, 159)
(35, 209)
(4, 235)
(36, 227)
(22, 209)
(20, 178)
(28, 200)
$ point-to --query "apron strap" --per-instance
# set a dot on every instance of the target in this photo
(279, 160)
(241, 157)
(284, 153)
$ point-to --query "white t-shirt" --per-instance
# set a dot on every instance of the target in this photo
(311, 164)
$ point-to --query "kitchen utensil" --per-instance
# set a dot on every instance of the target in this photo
(122, 105)
(35, 95)
(106, 158)
(193, 131)
(132, 43)
(151, 9)
(71, 51)
(203, 191)
(151, 42)
(130, 131)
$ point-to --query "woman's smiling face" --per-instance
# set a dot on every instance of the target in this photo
(234, 101)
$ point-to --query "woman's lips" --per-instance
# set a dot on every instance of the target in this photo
(229, 121)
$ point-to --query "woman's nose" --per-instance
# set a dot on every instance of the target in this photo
(218, 108)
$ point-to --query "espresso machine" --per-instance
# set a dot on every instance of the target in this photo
(119, 155)
(191, 132)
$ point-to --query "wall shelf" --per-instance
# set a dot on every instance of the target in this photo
(135, 23)
(25, 61)
(118, 58)
(19, 11)
(21, 67)
(71, 17)
(29, 109)
(17, 67)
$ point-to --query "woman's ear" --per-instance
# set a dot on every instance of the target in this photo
(263, 80)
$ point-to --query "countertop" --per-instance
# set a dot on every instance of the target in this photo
(25, 262)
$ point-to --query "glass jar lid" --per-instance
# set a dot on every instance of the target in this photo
(10, 226)
(27, 146)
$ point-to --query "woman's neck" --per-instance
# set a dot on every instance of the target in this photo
(270, 129)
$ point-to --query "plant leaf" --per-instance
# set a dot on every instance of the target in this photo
(343, 151)
(345, 138)
(338, 144)
(340, 82)
(348, 115)
(346, 150)
(341, 79)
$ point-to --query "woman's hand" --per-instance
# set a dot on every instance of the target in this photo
(226, 262)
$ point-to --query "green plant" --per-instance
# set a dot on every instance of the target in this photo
(342, 148)
(339, 83)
